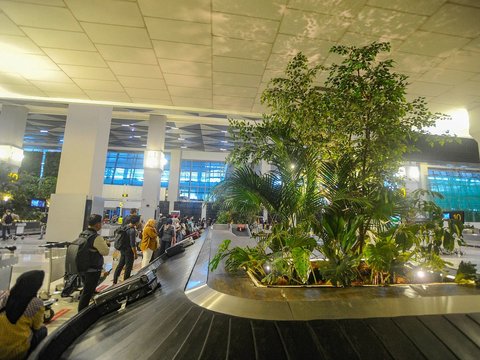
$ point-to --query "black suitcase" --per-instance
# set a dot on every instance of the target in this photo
(127, 292)
(186, 242)
(174, 250)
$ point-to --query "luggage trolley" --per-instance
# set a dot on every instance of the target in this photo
(19, 230)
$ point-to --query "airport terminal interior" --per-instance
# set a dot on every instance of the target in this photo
(114, 106)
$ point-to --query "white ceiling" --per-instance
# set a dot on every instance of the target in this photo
(219, 54)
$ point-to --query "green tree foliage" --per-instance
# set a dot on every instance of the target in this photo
(335, 150)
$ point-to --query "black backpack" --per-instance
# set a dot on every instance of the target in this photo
(8, 219)
(81, 250)
(121, 240)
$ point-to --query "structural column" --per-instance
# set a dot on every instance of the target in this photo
(81, 171)
(153, 166)
(265, 167)
(13, 120)
(174, 178)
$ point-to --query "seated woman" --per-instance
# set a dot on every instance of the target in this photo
(149, 242)
(21, 317)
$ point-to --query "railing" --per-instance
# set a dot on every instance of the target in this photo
(6, 266)
(55, 254)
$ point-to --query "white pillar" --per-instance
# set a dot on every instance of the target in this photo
(13, 120)
(152, 172)
(265, 167)
(174, 178)
(81, 171)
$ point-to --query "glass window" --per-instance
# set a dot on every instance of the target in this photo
(461, 191)
(127, 169)
(197, 178)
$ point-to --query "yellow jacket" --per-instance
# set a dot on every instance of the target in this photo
(149, 237)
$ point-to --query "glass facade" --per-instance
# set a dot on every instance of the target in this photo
(124, 168)
(461, 189)
(197, 178)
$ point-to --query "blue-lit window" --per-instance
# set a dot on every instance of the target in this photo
(127, 169)
(460, 188)
(197, 178)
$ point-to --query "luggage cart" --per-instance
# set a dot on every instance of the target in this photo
(19, 230)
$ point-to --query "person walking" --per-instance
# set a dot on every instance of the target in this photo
(149, 242)
(7, 222)
(21, 317)
(128, 253)
(98, 248)
(168, 237)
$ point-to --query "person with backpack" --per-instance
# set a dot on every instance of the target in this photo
(89, 260)
(167, 236)
(7, 222)
(125, 243)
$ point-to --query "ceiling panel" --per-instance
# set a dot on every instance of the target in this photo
(291, 45)
(240, 66)
(12, 78)
(48, 75)
(243, 27)
(108, 95)
(117, 35)
(182, 51)
(87, 72)
(346, 8)
(463, 61)
(106, 12)
(424, 7)
(179, 31)
(148, 93)
(383, 22)
(75, 57)
(103, 85)
(140, 70)
(46, 17)
(188, 81)
(191, 102)
(187, 10)
(190, 92)
(431, 44)
(455, 20)
(240, 91)
(313, 25)
(245, 49)
(185, 67)
(446, 76)
(127, 54)
(222, 78)
(8, 27)
(272, 10)
(59, 39)
(142, 83)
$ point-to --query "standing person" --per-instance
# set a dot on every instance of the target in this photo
(128, 218)
(98, 248)
(168, 237)
(7, 223)
(43, 225)
(21, 316)
(149, 242)
(128, 254)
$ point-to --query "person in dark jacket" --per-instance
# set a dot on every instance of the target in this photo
(129, 253)
(21, 317)
(99, 249)
(168, 237)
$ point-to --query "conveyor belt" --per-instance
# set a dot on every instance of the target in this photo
(167, 325)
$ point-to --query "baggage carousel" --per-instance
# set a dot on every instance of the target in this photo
(189, 319)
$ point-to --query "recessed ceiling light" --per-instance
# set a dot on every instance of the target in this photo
(44, 131)
(225, 141)
(183, 147)
(144, 144)
(133, 129)
(224, 131)
(126, 125)
(181, 139)
(222, 149)
(173, 128)
(137, 136)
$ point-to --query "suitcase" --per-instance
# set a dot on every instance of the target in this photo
(186, 242)
(127, 292)
(195, 235)
(174, 250)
